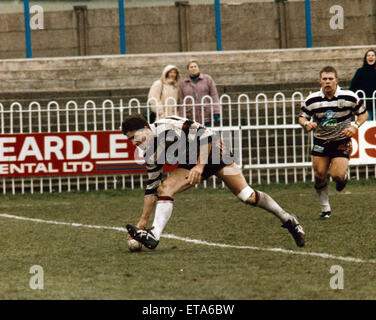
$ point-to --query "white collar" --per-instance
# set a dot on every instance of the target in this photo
(335, 94)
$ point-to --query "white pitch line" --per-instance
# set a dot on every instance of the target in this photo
(4, 215)
(212, 244)
(304, 253)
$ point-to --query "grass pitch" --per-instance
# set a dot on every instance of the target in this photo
(81, 262)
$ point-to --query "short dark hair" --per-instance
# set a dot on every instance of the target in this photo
(328, 69)
(193, 61)
(134, 122)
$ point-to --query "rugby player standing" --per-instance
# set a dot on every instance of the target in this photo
(331, 110)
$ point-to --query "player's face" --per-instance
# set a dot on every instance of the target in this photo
(328, 82)
(193, 69)
(371, 58)
(140, 138)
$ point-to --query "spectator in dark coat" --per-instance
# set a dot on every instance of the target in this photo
(365, 79)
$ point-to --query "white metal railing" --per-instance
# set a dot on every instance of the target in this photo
(271, 145)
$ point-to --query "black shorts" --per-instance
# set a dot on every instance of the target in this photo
(332, 149)
(211, 168)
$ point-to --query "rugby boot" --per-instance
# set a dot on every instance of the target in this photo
(296, 230)
(325, 215)
(145, 236)
(340, 185)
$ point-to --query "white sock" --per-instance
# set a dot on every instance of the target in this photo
(163, 213)
(323, 194)
(268, 203)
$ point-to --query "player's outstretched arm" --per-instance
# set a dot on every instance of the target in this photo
(194, 175)
(149, 205)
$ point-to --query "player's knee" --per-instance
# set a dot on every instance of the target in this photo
(253, 199)
(320, 177)
(164, 190)
(248, 196)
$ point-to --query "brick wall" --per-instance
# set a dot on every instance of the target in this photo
(245, 26)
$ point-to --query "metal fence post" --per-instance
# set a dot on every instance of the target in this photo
(308, 23)
(123, 46)
(27, 29)
(218, 29)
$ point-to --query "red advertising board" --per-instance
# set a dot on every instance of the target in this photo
(364, 144)
(108, 152)
(69, 153)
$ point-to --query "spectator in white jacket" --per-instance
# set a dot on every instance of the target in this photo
(163, 94)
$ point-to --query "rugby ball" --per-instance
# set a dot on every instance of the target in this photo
(134, 245)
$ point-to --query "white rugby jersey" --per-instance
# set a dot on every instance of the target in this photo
(332, 115)
(166, 132)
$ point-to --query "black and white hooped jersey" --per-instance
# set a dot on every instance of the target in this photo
(171, 133)
(332, 115)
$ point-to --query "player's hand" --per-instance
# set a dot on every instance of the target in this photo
(142, 224)
(194, 176)
(350, 131)
(311, 126)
